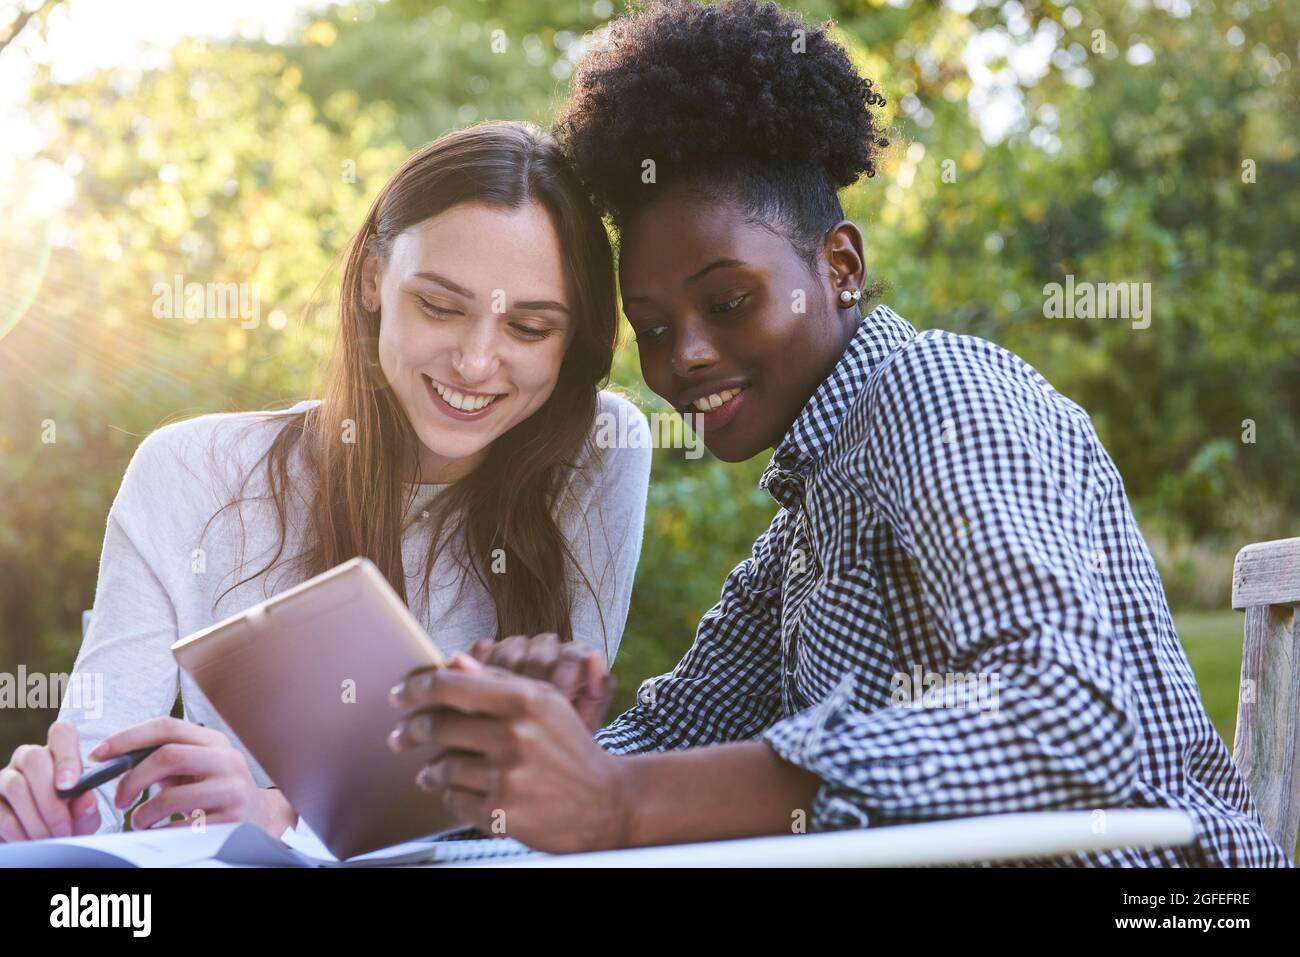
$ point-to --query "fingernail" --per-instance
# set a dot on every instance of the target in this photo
(89, 809)
(67, 779)
(395, 692)
(97, 751)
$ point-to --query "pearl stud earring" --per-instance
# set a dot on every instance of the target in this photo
(847, 297)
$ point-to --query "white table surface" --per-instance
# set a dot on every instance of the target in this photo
(998, 837)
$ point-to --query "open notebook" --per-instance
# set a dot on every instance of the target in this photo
(235, 845)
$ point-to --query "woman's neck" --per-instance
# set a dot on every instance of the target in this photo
(437, 469)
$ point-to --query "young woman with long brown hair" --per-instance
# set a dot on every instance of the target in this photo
(454, 446)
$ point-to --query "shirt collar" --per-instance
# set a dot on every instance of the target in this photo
(878, 335)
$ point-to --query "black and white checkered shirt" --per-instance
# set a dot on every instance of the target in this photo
(954, 614)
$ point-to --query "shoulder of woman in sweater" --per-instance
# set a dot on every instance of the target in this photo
(201, 458)
(618, 449)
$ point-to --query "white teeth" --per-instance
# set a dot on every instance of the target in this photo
(458, 400)
(718, 399)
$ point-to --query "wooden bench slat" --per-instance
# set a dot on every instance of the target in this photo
(1267, 573)
(1268, 718)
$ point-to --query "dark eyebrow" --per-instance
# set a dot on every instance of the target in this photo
(445, 283)
(716, 264)
(543, 305)
(695, 277)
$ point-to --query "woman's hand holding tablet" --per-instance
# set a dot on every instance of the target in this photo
(510, 756)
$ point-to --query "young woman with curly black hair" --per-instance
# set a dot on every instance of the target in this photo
(952, 614)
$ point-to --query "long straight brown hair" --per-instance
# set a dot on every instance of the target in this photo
(356, 500)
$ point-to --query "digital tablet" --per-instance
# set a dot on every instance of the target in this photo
(302, 679)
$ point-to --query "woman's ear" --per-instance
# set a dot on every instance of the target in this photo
(846, 265)
(370, 280)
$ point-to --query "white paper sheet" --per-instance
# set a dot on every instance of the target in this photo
(236, 845)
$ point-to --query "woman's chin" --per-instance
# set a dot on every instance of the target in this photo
(731, 448)
(450, 450)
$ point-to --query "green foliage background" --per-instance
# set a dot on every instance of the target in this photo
(251, 162)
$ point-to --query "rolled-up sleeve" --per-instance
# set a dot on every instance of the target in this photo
(983, 477)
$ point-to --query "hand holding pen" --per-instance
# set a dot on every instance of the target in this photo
(30, 806)
(197, 770)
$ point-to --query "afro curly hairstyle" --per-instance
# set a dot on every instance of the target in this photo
(742, 101)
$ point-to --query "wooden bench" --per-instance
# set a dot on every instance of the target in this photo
(1266, 586)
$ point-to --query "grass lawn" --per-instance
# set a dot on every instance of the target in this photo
(1212, 640)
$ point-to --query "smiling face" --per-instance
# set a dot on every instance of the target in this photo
(729, 317)
(474, 324)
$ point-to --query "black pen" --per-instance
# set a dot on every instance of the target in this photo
(101, 773)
